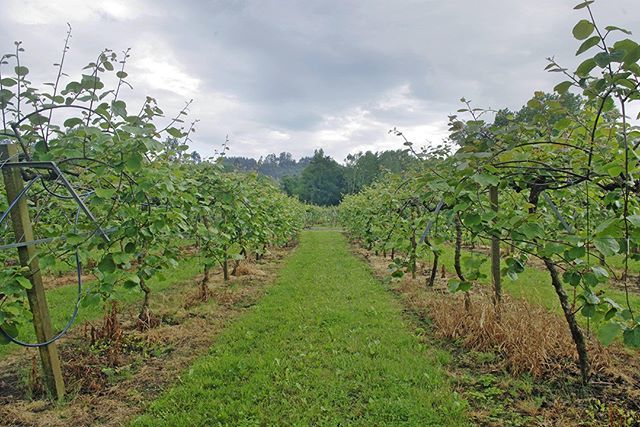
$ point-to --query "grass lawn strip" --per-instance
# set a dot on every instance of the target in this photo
(327, 345)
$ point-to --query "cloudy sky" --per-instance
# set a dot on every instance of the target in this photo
(285, 75)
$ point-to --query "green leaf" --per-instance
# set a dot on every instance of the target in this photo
(456, 285)
(119, 108)
(132, 281)
(585, 67)
(576, 252)
(634, 220)
(24, 282)
(607, 246)
(602, 59)
(551, 249)
(632, 57)
(588, 44)
(588, 310)
(38, 119)
(74, 121)
(464, 286)
(608, 332)
(600, 272)
(91, 299)
(174, 132)
(583, 4)
(121, 75)
(10, 329)
(571, 277)
(531, 230)
(21, 70)
(106, 265)
(583, 29)
(134, 162)
(105, 193)
(631, 337)
(563, 87)
(471, 219)
(614, 28)
(485, 179)
(8, 82)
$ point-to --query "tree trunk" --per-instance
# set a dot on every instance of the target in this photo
(456, 260)
(144, 310)
(204, 285)
(225, 269)
(576, 332)
(458, 249)
(412, 257)
(434, 269)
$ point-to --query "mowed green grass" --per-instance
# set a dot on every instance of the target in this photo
(327, 345)
(62, 300)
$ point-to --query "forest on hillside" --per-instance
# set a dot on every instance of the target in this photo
(320, 179)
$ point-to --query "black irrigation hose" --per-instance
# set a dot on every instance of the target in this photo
(66, 328)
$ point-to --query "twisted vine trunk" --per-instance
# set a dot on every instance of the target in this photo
(225, 269)
(204, 284)
(144, 310)
(576, 332)
(434, 269)
(412, 259)
(225, 265)
(458, 249)
(456, 260)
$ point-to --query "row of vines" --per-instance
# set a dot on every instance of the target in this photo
(559, 184)
(110, 190)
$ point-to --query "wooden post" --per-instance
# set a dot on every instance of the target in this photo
(27, 254)
(495, 252)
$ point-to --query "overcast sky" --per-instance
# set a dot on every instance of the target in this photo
(298, 75)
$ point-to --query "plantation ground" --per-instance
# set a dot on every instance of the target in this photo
(112, 380)
(319, 336)
(327, 345)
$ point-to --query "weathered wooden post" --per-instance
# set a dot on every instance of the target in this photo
(27, 254)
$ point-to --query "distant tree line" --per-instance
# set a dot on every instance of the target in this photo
(275, 166)
(319, 179)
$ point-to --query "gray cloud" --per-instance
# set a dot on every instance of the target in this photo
(293, 76)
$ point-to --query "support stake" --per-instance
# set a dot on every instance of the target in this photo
(23, 231)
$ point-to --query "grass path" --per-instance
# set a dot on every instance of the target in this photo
(327, 345)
